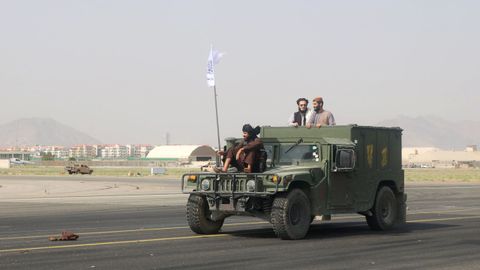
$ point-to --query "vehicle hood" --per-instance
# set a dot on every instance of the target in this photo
(282, 170)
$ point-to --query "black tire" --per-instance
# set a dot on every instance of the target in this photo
(198, 216)
(385, 210)
(291, 215)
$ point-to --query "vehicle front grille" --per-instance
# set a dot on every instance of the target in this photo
(232, 184)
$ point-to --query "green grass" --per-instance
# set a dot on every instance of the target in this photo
(442, 175)
(98, 171)
(412, 175)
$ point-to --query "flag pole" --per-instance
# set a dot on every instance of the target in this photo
(218, 126)
(213, 59)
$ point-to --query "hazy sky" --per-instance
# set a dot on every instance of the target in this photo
(130, 71)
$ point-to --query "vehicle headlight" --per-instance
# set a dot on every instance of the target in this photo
(274, 178)
(251, 185)
(192, 178)
(205, 184)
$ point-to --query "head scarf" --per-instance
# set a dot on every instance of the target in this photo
(252, 132)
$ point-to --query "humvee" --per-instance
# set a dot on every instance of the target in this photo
(309, 172)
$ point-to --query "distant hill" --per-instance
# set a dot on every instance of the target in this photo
(41, 131)
(436, 132)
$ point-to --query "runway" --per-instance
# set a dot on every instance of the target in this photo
(126, 230)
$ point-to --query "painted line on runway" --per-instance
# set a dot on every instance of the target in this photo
(132, 230)
(444, 187)
(444, 211)
(227, 225)
(117, 196)
(442, 219)
(111, 243)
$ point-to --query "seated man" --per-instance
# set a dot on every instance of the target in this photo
(244, 155)
(230, 159)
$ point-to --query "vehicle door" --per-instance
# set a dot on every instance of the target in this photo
(341, 180)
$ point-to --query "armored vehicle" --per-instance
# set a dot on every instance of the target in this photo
(78, 168)
(309, 172)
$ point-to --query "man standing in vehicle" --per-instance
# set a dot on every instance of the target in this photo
(319, 116)
(300, 117)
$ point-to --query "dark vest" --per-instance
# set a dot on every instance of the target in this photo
(297, 118)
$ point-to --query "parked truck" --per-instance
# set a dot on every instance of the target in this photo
(309, 172)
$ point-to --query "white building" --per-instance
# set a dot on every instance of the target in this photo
(116, 151)
(139, 150)
(442, 158)
(82, 152)
(59, 152)
(184, 153)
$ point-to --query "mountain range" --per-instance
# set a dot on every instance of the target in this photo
(432, 131)
(422, 131)
(41, 131)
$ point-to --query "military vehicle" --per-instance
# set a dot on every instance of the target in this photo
(78, 168)
(309, 172)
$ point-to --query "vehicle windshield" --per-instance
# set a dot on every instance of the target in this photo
(285, 154)
(288, 155)
(297, 154)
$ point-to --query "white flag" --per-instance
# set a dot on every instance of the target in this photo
(213, 59)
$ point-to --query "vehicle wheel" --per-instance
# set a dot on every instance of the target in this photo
(198, 216)
(291, 215)
(384, 211)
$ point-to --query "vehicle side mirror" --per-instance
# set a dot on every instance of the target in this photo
(344, 160)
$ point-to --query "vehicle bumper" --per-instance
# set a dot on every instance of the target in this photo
(230, 193)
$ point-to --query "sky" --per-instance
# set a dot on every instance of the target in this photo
(133, 71)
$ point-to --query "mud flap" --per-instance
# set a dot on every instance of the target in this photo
(402, 209)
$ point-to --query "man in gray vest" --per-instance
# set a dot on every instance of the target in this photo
(300, 117)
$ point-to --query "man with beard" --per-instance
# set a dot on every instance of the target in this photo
(245, 155)
(300, 117)
(319, 116)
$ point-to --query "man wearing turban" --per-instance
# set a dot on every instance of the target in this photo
(244, 155)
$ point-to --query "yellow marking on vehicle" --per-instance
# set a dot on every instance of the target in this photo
(370, 155)
(384, 161)
(26, 249)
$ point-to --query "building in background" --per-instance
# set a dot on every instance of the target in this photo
(115, 151)
(139, 151)
(58, 152)
(183, 153)
(437, 158)
(82, 152)
(16, 154)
